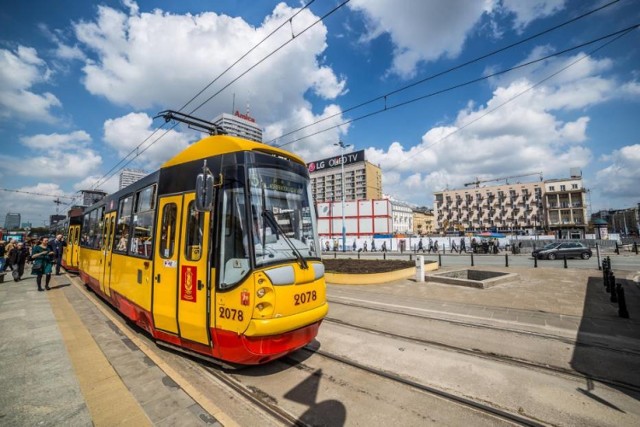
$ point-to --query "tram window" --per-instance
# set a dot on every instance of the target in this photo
(195, 227)
(123, 224)
(95, 232)
(168, 230)
(86, 224)
(143, 222)
(235, 233)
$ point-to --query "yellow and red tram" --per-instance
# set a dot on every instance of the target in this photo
(71, 231)
(216, 253)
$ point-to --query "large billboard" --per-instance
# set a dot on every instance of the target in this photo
(334, 162)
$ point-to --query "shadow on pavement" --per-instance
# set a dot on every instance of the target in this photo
(607, 351)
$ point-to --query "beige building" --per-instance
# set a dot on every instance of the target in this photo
(502, 208)
(362, 179)
(423, 222)
(566, 206)
(552, 206)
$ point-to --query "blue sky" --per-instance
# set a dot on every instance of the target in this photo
(80, 83)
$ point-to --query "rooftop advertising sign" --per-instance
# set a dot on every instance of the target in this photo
(334, 162)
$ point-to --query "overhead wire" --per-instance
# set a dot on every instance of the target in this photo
(457, 86)
(449, 70)
(106, 177)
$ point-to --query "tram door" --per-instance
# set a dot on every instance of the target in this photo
(165, 264)
(71, 250)
(192, 266)
(107, 248)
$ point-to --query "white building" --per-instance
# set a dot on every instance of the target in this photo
(402, 217)
(240, 125)
(129, 176)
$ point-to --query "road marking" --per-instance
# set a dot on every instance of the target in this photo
(101, 387)
(201, 399)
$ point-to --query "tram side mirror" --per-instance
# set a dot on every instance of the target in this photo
(204, 192)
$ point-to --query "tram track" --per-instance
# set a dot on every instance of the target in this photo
(522, 332)
(457, 399)
(492, 356)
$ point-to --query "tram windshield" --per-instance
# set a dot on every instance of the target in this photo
(282, 220)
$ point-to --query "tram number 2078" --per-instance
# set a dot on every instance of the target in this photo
(231, 313)
(304, 297)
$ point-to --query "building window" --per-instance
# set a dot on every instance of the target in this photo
(552, 188)
(574, 186)
(563, 188)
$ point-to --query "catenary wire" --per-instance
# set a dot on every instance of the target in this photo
(112, 172)
(447, 71)
(450, 88)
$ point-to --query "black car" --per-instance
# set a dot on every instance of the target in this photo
(563, 250)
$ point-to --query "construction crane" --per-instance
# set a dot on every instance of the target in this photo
(477, 182)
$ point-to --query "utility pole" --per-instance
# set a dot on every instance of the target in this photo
(344, 230)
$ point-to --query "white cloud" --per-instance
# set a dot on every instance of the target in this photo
(527, 11)
(618, 182)
(20, 70)
(125, 133)
(494, 140)
(428, 30)
(71, 141)
(159, 60)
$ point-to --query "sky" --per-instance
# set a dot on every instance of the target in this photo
(431, 90)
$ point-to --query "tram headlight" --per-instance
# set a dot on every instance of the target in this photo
(260, 307)
(261, 292)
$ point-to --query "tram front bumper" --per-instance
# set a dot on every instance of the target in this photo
(281, 325)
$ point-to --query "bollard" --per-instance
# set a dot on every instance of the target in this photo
(614, 293)
(617, 249)
(535, 262)
(622, 304)
(565, 262)
(335, 255)
(635, 247)
(410, 257)
(605, 278)
(358, 255)
(439, 260)
(420, 268)
(471, 259)
(384, 255)
(611, 282)
(506, 260)
(598, 255)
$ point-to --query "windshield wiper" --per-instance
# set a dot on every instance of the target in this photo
(270, 217)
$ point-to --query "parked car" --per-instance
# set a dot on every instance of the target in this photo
(561, 250)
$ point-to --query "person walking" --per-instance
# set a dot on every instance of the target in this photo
(42, 257)
(3, 254)
(463, 247)
(18, 255)
(7, 249)
(58, 246)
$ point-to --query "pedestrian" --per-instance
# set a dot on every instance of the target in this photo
(430, 244)
(42, 257)
(435, 246)
(420, 247)
(384, 247)
(7, 249)
(463, 245)
(58, 246)
(373, 245)
(326, 245)
(454, 247)
(19, 256)
(365, 246)
(3, 254)
(354, 245)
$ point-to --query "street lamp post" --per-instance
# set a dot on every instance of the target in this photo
(344, 230)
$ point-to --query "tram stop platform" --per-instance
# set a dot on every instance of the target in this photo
(63, 361)
(56, 369)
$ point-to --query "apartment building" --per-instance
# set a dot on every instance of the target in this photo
(502, 208)
(566, 206)
(555, 206)
(362, 179)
